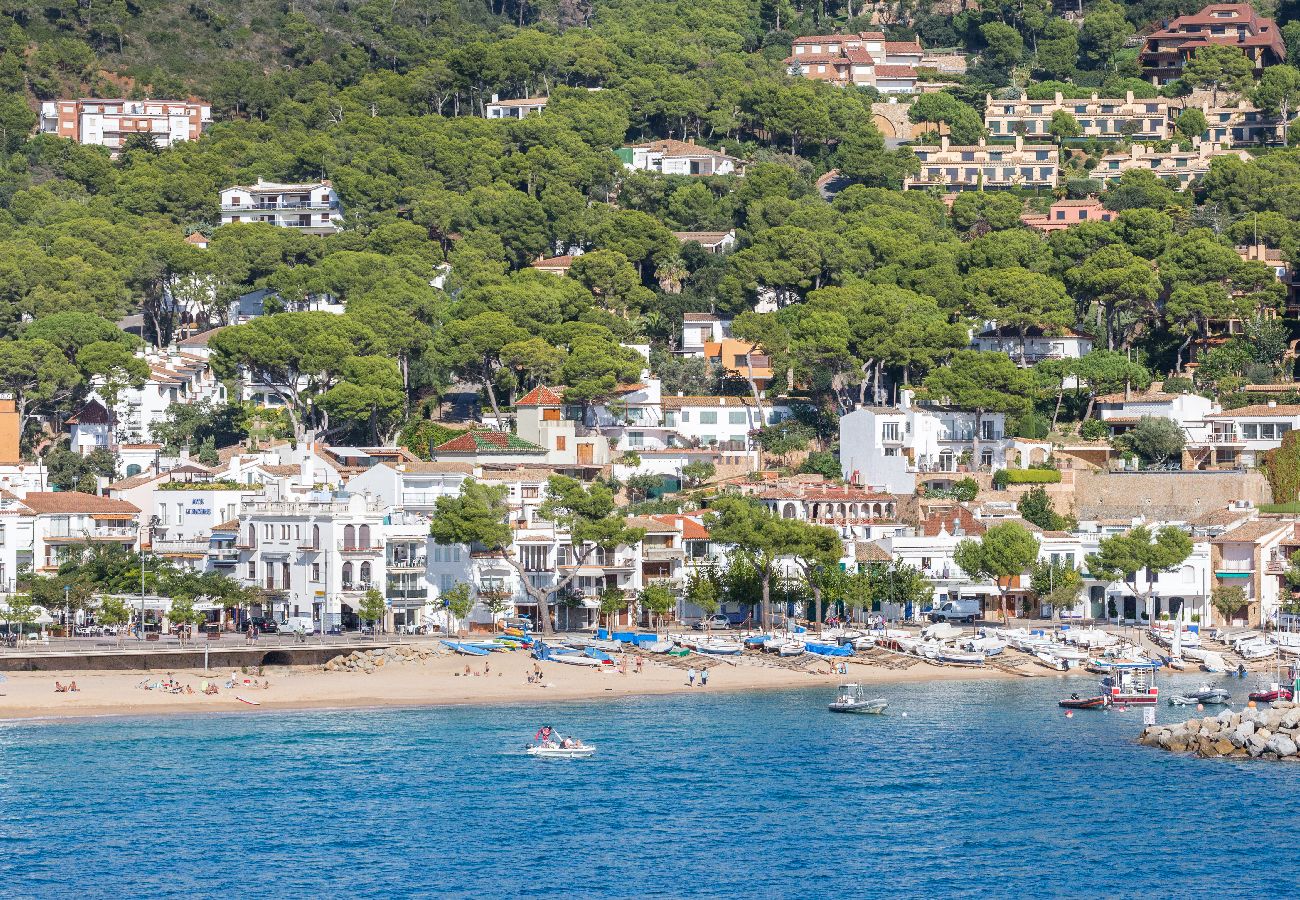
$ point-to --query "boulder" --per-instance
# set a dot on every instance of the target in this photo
(1271, 719)
(1256, 744)
(380, 660)
(1192, 724)
(1205, 747)
(1264, 734)
(1282, 745)
(1291, 718)
(1223, 747)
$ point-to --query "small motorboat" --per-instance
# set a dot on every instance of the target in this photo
(1272, 695)
(466, 649)
(576, 659)
(853, 699)
(718, 647)
(951, 656)
(1211, 695)
(1182, 700)
(1074, 701)
(793, 648)
(557, 747)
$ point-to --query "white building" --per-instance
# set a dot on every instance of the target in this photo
(700, 330)
(671, 157)
(513, 109)
(888, 447)
(1122, 411)
(1239, 436)
(1038, 344)
(63, 520)
(311, 208)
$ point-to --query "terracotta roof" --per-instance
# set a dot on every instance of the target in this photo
(903, 47)
(822, 491)
(432, 468)
(196, 238)
(649, 523)
(141, 446)
(870, 551)
(700, 317)
(540, 396)
(555, 262)
(282, 471)
(859, 55)
(1223, 517)
(1138, 397)
(199, 340)
(672, 148)
(692, 529)
(1258, 409)
(895, 72)
(133, 482)
(692, 402)
(92, 413)
(232, 525)
(485, 441)
(526, 101)
(702, 237)
(77, 502)
(946, 520)
(1249, 532)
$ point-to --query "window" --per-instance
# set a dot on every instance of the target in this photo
(636, 439)
(347, 575)
(686, 415)
(561, 442)
(162, 514)
(986, 458)
(562, 554)
(670, 418)
(1060, 215)
(315, 537)
(1250, 432)
(284, 574)
(1266, 431)
(363, 537)
(445, 583)
(889, 431)
(252, 570)
(529, 491)
(252, 535)
(365, 573)
(925, 562)
(349, 538)
(1083, 215)
(736, 417)
(268, 531)
(315, 571)
(709, 418)
(891, 451)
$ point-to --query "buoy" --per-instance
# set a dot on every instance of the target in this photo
(1199, 707)
(1251, 704)
(904, 715)
(1069, 714)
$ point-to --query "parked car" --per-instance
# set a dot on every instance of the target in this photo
(954, 611)
(713, 623)
(264, 624)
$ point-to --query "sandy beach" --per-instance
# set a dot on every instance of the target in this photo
(432, 681)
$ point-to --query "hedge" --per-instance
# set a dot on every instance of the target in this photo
(1032, 476)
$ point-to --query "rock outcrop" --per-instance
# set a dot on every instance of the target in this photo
(1254, 733)
(369, 660)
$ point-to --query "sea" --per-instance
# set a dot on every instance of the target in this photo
(974, 789)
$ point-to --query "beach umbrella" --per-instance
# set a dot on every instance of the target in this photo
(42, 616)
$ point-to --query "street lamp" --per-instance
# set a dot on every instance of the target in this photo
(153, 521)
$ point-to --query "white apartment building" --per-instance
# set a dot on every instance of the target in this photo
(984, 165)
(722, 422)
(65, 519)
(311, 208)
(1100, 117)
(1122, 411)
(108, 123)
(175, 377)
(1179, 165)
(1037, 345)
(1238, 437)
(888, 447)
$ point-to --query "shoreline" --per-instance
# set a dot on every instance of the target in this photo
(419, 684)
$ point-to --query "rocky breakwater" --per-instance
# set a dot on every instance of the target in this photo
(369, 660)
(1259, 733)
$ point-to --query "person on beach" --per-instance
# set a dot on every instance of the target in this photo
(690, 676)
(72, 686)
(704, 677)
(640, 664)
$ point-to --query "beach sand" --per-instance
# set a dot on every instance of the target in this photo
(434, 681)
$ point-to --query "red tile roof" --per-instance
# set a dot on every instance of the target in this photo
(77, 502)
(895, 72)
(484, 441)
(540, 396)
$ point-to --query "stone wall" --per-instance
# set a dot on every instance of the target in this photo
(1263, 733)
(1164, 495)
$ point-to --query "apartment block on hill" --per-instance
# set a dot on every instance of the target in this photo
(109, 123)
(984, 165)
(1099, 117)
(311, 208)
(1166, 50)
(857, 59)
(1179, 165)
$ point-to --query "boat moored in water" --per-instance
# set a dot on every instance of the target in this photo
(1074, 701)
(853, 699)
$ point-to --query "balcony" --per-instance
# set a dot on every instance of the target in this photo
(420, 498)
(100, 533)
(1225, 437)
(417, 564)
(273, 205)
(180, 548)
(357, 587)
(407, 593)
(223, 557)
(654, 554)
(345, 547)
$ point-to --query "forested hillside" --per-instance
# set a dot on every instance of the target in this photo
(385, 100)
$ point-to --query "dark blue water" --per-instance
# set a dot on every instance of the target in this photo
(980, 790)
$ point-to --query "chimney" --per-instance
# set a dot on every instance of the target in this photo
(1060, 98)
(1128, 98)
(1272, 404)
(496, 98)
(943, 142)
(1020, 142)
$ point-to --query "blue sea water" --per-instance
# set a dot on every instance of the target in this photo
(981, 789)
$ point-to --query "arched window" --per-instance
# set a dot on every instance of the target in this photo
(364, 537)
(349, 537)
(365, 572)
(347, 574)
(788, 512)
(132, 469)
(315, 537)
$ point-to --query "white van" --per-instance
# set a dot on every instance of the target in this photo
(294, 624)
(954, 611)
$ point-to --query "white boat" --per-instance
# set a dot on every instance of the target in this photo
(1051, 659)
(553, 750)
(718, 647)
(658, 647)
(1212, 662)
(576, 659)
(1092, 638)
(865, 642)
(989, 646)
(1256, 650)
(793, 648)
(940, 631)
(852, 699)
(961, 657)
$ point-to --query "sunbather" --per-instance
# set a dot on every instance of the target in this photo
(59, 689)
(73, 687)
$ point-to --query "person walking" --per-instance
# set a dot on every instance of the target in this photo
(704, 677)
(690, 676)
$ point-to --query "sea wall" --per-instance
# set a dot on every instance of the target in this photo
(1272, 733)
